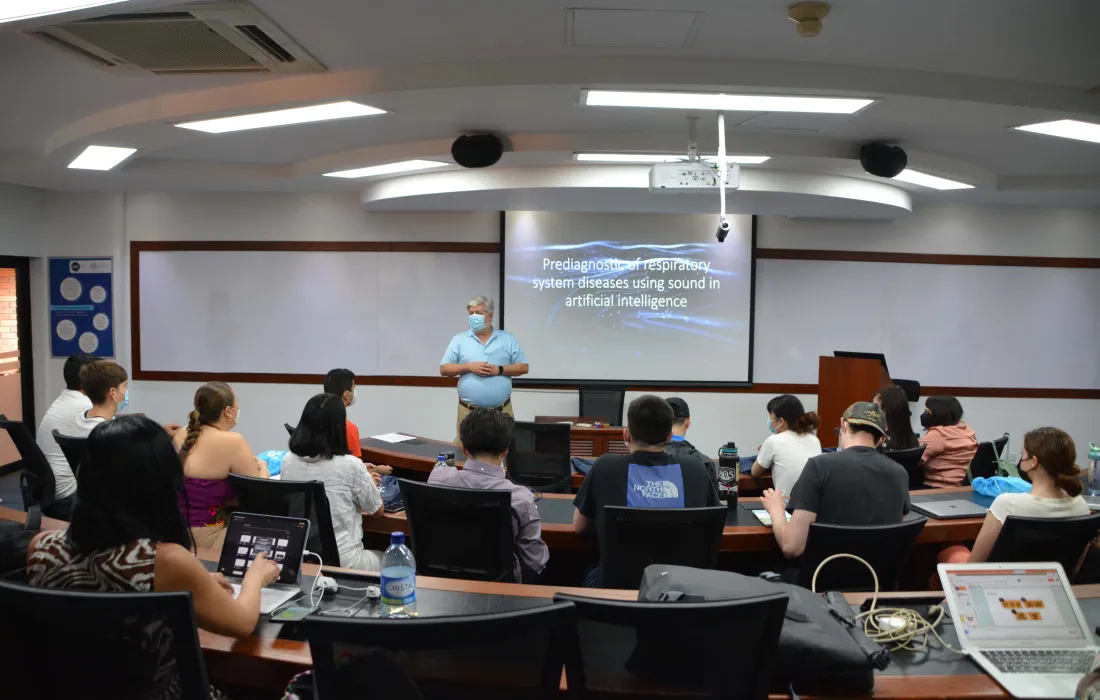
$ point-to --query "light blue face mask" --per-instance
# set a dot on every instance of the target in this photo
(771, 428)
(477, 323)
(125, 402)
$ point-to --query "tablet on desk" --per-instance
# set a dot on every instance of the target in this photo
(762, 516)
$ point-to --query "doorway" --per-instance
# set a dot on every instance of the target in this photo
(16, 370)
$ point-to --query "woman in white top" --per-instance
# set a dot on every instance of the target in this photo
(319, 451)
(786, 452)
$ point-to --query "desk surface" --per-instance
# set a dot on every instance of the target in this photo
(275, 652)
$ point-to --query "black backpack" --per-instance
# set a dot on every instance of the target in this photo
(15, 539)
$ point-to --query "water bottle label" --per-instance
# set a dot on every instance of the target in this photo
(399, 591)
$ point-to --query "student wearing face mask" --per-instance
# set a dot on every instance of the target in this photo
(855, 486)
(341, 382)
(791, 444)
(484, 359)
(949, 443)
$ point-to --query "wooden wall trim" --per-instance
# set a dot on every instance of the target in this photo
(925, 258)
(317, 246)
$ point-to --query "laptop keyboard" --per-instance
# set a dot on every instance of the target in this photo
(1041, 660)
(270, 597)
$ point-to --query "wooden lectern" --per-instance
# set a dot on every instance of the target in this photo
(841, 381)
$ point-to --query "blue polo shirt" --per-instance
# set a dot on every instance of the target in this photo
(502, 348)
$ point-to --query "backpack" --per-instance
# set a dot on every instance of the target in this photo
(15, 539)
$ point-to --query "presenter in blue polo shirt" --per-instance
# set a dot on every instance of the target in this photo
(484, 359)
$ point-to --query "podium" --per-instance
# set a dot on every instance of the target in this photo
(841, 381)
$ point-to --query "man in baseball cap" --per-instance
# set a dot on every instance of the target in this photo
(678, 446)
(856, 485)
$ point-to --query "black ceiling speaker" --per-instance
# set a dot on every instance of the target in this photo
(882, 159)
(477, 150)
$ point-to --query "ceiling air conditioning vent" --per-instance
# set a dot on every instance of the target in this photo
(230, 37)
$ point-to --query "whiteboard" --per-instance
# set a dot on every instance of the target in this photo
(942, 325)
(297, 312)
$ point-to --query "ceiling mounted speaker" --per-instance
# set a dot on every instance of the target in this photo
(882, 159)
(477, 150)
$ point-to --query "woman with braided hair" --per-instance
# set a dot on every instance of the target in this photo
(210, 452)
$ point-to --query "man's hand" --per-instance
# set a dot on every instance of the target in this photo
(483, 369)
(773, 503)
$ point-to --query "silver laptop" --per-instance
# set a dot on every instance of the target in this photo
(1022, 625)
(283, 540)
(950, 508)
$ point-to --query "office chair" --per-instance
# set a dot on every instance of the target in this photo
(73, 448)
(294, 499)
(460, 533)
(721, 649)
(60, 645)
(37, 480)
(538, 457)
(910, 459)
(289, 429)
(911, 387)
(984, 463)
(1045, 539)
(605, 405)
(884, 547)
(633, 538)
(517, 654)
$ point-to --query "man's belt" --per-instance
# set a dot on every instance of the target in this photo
(472, 407)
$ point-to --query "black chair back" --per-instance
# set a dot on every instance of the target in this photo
(633, 538)
(984, 463)
(292, 499)
(538, 457)
(68, 644)
(36, 481)
(677, 648)
(518, 654)
(289, 429)
(460, 533)
(910, 459)
(884, 547)
(73, 448)
(605, 405)
(1045, 539)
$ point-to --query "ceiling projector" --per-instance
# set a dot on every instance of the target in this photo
(691, 176)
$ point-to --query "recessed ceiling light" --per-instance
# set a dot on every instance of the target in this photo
(659, 158)
(1067, 129)
(13, 10)
(937, 183)
(283, 117)
(388, 169)
(724, 103)
(101, 157)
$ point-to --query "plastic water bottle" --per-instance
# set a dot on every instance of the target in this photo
(1094, 470)
(440, 461)
(398, 579)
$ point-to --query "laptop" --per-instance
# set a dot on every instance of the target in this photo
(949, 509)
(1022, 625)
(283, 540)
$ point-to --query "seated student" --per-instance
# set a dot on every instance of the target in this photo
(341, 382)
(319, 452)
(127, 535)
(210, 452)
(1047, 461)
(785, 452)
(60, 416)
(678, 445)
(856, 485)
(949, 443)
(485, 434)
(899, 425)
(648, 477)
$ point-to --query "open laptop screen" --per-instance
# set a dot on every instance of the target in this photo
(248, 534)
(1009, 605)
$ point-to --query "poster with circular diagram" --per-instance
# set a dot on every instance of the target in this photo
(81, 315)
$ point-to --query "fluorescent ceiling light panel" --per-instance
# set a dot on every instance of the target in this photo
(283, 117)
(101, 157)
(937, 183)
(659, 158)
(388, 169)
(1067, 129)
(725, 103)
(14, 10)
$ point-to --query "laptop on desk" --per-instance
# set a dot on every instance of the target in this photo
(1021, 623)
(949, 509)
(283, 540)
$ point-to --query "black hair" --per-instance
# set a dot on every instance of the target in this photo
(862, 428)
(337, 381)
(649, 420)
(945, 410)
(322, 430)
(72, 369)
(790, 409)
(899, 419)
(486, 431)
(129, 488)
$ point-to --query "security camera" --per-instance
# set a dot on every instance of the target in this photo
(723, 230)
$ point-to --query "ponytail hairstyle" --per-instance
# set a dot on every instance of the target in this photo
(211, 400)
(1055, 453)
(790, 409)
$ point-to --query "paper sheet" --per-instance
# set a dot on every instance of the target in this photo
(392, 437)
